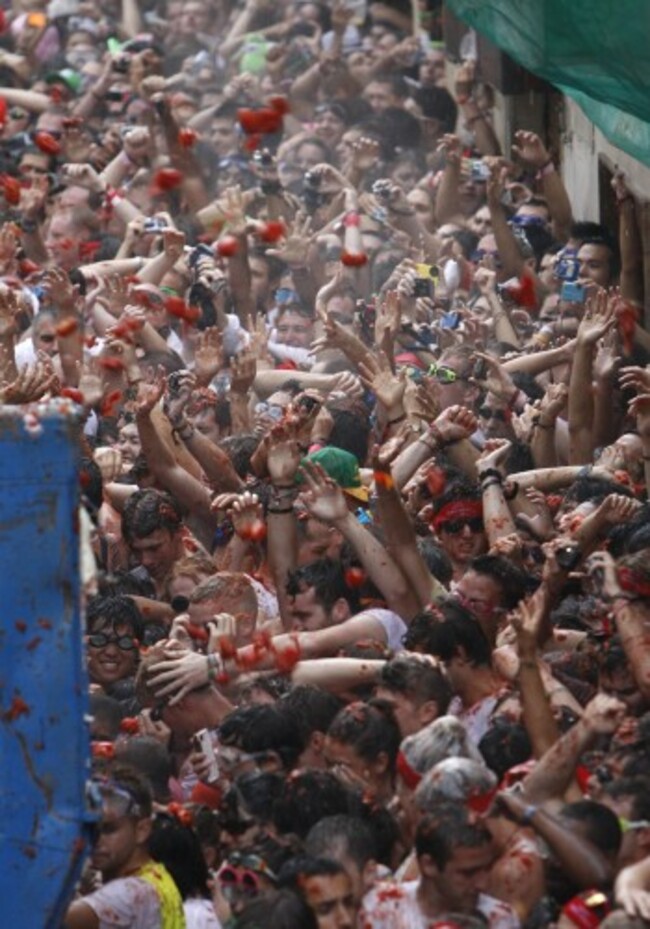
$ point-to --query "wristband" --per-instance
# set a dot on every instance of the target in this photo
(491, 472)
(182, 432)
(383, 479)
(545, 170)
(511, 490)
(528, 814)
(490, 482)
(398, 419)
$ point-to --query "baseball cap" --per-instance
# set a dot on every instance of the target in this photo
(343, 468)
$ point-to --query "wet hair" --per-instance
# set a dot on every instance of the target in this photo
(437, 560)
(168, 360)
(229, 585)
(281, 909)
(240, 448)
(601, 825)
(440, 833)
(586, 230)
(351, 428)
(123, 583)
(255, 792)
(607, 241)
(511, 579)
(369, 728)
(147, 511)
(437, 103)
(294, 871)
(442, 633)
(177, 847)
(445, 737)
(107, 712)
(262, 728)
(327, 579)
(504, 745)
(467, 240)
(637, 788)
(133, 783)
(113, 612)
(344, 836)
(454, 779)
(307, 797)
(594, 490)
(90, 477)
(457, 490)
(417, 680)
(148, 756)
(310, 709)
(612, 657)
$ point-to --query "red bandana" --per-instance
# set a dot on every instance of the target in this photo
(459, 509)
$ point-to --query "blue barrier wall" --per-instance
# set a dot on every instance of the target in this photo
(44, 747)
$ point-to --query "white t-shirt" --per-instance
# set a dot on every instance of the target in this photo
(199, 914)
(395, 906)
(126, 903)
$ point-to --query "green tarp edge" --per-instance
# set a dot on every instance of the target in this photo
(626, 131)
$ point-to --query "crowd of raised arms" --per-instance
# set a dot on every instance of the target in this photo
(364, 427)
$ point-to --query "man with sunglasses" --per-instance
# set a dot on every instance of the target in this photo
(452, 374)
(458, 525)
(137, 891)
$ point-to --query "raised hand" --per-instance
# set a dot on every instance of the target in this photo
(497, 380)
(248, 517)
(208, 355)
(294, 251)
(323, 498)
(82, 175)
(243, 368)
(378, 376)
(33, 383)
(527, 621)
(61, 292)
(177, 399)
(283, 454)
(635, 378)
(599, 317)
(493, 455)
(149, 396)
(640, 408)
(9, 308)
(455, 423)
(530, 149)
(603, 715)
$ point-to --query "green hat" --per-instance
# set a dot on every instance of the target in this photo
(66, 76)
(343, 468)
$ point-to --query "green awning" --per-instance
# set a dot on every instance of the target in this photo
(596, 51)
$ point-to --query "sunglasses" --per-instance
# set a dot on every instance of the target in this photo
(235, 883)
(285, 295)
(445, 375)
(47, 338)
(486, 412)
(124, 642)
(456, 526)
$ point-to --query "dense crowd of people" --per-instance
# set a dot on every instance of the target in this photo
(364, 426)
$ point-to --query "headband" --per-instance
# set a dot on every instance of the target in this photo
(458, 509)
